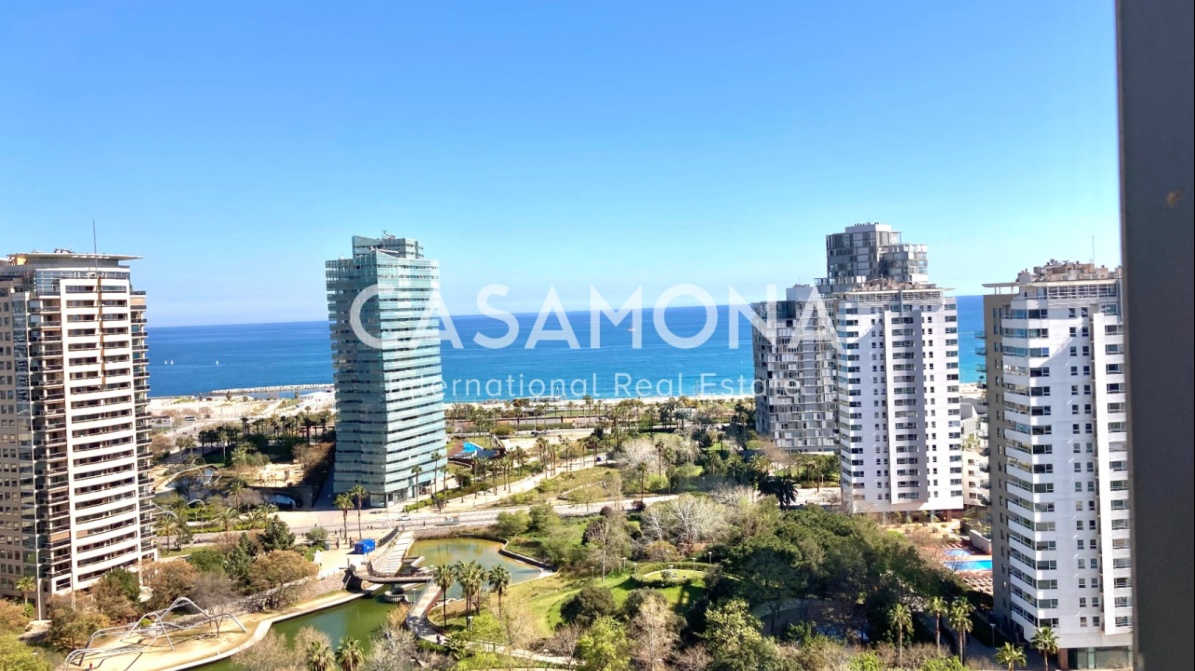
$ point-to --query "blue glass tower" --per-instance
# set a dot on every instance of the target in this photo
(386, 365)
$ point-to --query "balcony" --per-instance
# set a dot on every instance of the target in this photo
(981, 350)
(981, 368)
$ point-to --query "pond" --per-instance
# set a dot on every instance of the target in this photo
(361, 617)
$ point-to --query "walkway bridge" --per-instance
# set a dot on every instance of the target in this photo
(389, 564)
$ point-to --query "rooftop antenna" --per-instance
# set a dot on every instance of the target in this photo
(94, 247)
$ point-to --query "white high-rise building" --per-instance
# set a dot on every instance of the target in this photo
(75, 491)
(386, 364)
(876, 346)
(1059, 460)
(899, 430)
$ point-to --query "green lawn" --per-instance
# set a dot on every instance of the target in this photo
(544, 597)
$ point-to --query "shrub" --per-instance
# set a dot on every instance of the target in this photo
(586, 606)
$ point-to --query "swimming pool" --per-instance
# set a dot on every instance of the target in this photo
(970, 565)
(471, 448)
(958, 552)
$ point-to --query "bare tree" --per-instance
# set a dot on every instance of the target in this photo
(654, 632)
(564, 643)
(694, 658)
(685, 521)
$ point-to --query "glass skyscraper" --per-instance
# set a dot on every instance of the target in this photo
(386, 364)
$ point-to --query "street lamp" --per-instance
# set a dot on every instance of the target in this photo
(624, 565)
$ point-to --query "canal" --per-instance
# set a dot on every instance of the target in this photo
(360, 618)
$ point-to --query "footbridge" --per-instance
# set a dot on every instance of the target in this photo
(390, 564)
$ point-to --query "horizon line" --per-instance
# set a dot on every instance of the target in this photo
(462, 316)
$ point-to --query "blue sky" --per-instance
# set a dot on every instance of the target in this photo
(236, 146)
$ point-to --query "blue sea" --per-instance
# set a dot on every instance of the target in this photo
(191, 360)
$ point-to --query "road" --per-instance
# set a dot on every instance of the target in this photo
(380, 522)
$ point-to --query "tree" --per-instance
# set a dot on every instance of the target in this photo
(544, 518)
(960, 619)
(320, 657)
(513, 523)
(112, 601)
(735, 641)
(391, 649)
(169, 525)
(277, 535)
(588, 605)
(70, 627)
(215, 593)
(26, 585)
(654, 631)
(349, 654)
(208, 560)
(168, 581)
(1045, 641)
(1010, 655)
(606, 536)
(360, 494)
(12, 618)
(605, 647)
(235, 487)
(902, 621)
(271, 653)
(239, 564)
(937, 607)
(499, 579)
(16, 656)
(471, 577)
(227, 517)
(345, 503)
(444, 576)
(317, 538)
(276, 572)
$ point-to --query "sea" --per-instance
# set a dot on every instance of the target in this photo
(680, 351)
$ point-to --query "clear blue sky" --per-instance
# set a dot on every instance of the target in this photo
(236, 146)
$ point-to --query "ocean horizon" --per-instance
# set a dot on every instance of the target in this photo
(193, 360)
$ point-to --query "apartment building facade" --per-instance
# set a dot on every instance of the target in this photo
(899, 429)
(75, 491)
(795, 358)
(386, 366)
(1055, 358)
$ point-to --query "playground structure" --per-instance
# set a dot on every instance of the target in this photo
(135, 637)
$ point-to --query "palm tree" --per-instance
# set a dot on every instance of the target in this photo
(235, 487)
(1045, 641)
(444, 575)
(471, 577)
(937, 607)
(168, 526)
(26, 586)
(641, 469)
(320, 657)
(499, 579)
(436, 457)
(359, 494)
(416, 471)
(902, 621)
(349, 654)
(960, 619)
(227, 517)
(345, 503)
(1010, 656)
